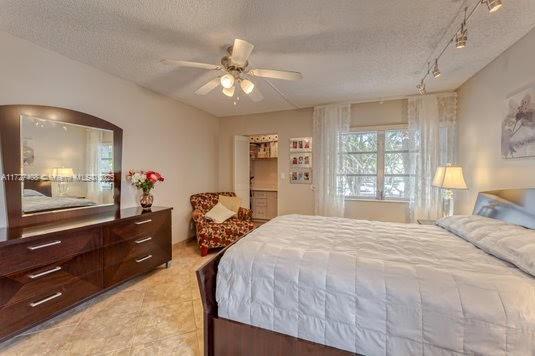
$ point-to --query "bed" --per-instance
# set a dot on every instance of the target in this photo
(332, 286)
(34, 201)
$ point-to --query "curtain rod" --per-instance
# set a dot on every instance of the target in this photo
(391, 98)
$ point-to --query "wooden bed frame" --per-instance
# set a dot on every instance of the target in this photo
(224, 337)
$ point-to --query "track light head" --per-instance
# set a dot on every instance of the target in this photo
(461, 38)
(436, 71)
(421, 88)
(493, 5)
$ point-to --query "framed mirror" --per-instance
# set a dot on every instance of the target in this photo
(58, 163)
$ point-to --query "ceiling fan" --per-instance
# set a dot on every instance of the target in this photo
(235, 72)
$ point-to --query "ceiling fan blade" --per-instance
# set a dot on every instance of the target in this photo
(208, 87)
(276, 74)
(256, 95)
(191, 64)
(241, 50)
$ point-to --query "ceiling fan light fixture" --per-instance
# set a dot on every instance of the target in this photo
(229, 91)
(493, 5)
(227, 81)
(247, 86)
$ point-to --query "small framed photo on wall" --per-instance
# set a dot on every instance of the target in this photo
(300, 160)
(301, 176)
(301, 144)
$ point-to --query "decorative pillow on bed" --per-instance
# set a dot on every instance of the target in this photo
(32, 193)
(219, 213)
(511, 243)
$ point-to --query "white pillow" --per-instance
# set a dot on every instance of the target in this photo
(512, 243)
(219, 213)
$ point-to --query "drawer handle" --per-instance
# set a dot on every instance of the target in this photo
(140, 241)
(47, 299)
(143, 222)
(37, 275)
(143, 258)
(37, 247)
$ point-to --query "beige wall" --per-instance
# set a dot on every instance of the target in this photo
(297, 198)
(481, 111)
(292, 198)
(159, 133)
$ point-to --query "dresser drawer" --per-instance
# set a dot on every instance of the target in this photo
(148, 226)
(23, 285)
(40, 307)
(141, 263)
(46, 250)
(141, 246)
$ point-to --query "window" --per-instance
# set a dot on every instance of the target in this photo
(375, 164)
(106, 166)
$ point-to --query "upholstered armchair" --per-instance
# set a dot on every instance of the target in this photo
(211, 234)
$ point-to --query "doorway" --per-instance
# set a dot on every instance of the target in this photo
(259, 188)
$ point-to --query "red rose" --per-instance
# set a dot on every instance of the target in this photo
(154, 176)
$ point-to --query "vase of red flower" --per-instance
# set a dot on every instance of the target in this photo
(146, 201)
(145, 181)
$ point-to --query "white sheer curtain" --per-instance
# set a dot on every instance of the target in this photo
(92, 159)
(330, 121)
(432, 130)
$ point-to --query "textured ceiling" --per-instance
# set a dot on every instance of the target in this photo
(347, 50)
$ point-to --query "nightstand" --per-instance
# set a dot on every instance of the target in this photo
(426, 222)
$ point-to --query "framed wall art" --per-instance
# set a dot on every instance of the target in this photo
(518, 126)
(300, 160)
(301, 144)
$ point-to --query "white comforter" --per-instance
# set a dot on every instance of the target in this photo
(377, 288)
(41, 203)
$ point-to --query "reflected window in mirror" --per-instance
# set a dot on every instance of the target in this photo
(65, 166)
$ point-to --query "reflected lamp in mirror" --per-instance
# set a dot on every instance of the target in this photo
(62, 175)
(448, 178)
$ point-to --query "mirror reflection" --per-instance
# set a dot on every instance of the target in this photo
(65, 166)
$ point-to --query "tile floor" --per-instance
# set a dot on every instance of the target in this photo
(156, 314)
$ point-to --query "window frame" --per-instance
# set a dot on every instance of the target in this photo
(381, 129)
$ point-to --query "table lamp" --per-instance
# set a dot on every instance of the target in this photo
(61, 174)
(447, 178)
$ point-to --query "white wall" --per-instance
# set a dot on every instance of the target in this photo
(481, 111)
(299, 198)
(159, 133)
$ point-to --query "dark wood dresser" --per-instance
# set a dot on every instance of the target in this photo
(48, 268)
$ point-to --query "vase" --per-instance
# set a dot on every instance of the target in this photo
(146, 201)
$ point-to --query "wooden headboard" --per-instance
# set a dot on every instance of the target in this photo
(41, 186)
(515, 206)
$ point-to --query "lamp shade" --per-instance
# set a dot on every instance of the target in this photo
(62, 172)
(227, 81)
(229, 91)
(449, 177)
(247, 86)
